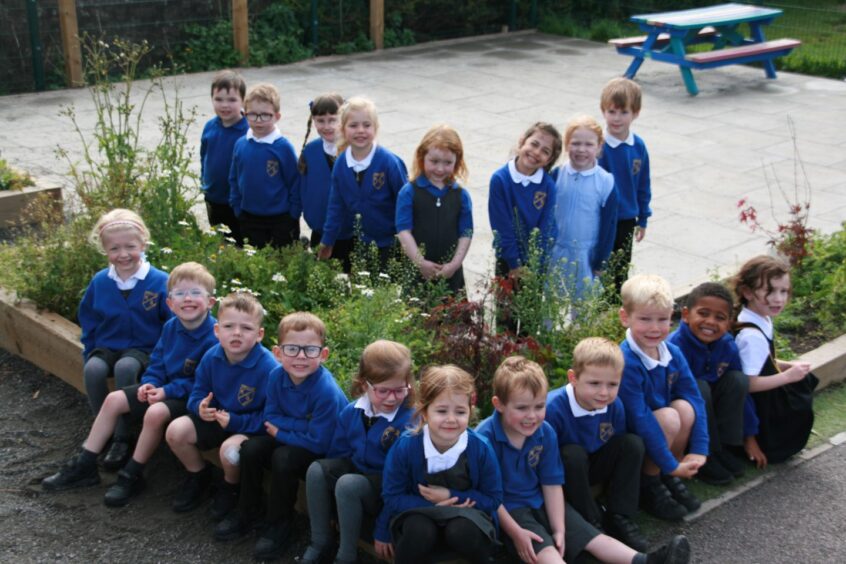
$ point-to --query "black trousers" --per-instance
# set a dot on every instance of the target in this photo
(274, 230)
(621, 256)
(618, 464)
(222, 214)
(724, 401)
(288, 465)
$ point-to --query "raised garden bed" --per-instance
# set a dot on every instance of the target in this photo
(13, 203)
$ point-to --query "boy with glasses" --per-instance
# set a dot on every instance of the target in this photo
(160, 397)
(263, 192)
(303, 403)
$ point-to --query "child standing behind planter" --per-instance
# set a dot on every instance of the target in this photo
(121, 314)
(162, 394)
(434, 212)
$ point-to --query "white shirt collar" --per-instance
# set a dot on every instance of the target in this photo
(746, 315)
(664, 355)
(269, 138)
(364, 404)
(356, 165)
(579, 411)
(439, 461)
(130, 283)
(519, 178)
(613, 142)
(589, 172)
(330, 148)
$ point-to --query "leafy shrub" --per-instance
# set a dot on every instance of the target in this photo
(11, 179)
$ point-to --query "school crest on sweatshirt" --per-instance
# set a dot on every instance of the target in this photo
(272, 167)
(246, 395)
(534, 456)
(150, 300)
(378, 180)
(539, 200)
(389, 435)
(606, 431)
(636, 163)
(189, 366)
(672, 378)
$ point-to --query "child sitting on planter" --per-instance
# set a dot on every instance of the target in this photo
(226, 405)
(161, 395)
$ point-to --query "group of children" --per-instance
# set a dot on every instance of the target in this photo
(350, 189)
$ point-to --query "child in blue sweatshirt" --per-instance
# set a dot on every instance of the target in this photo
(121, 314)
(522, 197)
(704, 339)
(219, 136)
(316, 161)
(161, 395)
(662, 400)
(263, 177)
(303, 402)
(625, 156)
(352, 472)
(227, 401)
(441, 483)
(365, 182)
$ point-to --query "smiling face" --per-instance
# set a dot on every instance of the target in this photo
(583, 149)
(650, 325)
(227, 104)
(360, 132)
(238, 332)
(596, 386)
(618, 121)
(768, 301)
(300, 366)
(124, 249)
(447, 416)
(326, 126)
(708, 319)
(535, 152)
(439, 166)
(522, 415)
(189, 302)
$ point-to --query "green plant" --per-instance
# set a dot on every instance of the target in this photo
(11, 179)
(206, 48)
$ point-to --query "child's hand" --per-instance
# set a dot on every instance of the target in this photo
(434, 494)
(697, 459)
(222, 418)
(685, 469)
(206, 412)
(639, 234)
(754, 452)
(429, 269)
(797, 371)
(523, 543)
(143, 389)
(156, 395)
(384, 550)
(449, 269)
(324, 252)
(271, 429)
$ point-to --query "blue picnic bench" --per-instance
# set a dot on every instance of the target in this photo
(668, 34)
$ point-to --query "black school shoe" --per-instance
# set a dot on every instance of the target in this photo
(74, 474)
(324, 556)
(192, 491)
(714, 473)
(225, 500)
(680, 493)
(273, 541)
(128, 485)
(677, 551)
(657, 500)
(730, 462)
(626, 531)
(117, 456)
(234, 526)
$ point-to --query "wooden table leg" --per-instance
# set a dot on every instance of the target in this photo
(677, 47)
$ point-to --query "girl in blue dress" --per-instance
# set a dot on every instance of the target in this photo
(585, 211)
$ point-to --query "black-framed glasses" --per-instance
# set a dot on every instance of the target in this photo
(259, 118)
(310, 351)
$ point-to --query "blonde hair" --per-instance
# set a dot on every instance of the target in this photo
(519, 373)
(549, 129)
(646, 290)
(381, 361)
(621, 93)
(193, 271)
(263, 92)
(118, 220)
(583, 122)
(597, 351)
(356, 104)
(445, 138)
(756, 273)
(243, 302)
(301, 321)
(439, 379)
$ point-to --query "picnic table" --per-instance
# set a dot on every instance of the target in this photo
(670, 33)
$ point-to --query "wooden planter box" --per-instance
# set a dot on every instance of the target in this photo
(14, 202)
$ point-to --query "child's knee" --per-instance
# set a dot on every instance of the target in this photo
(315, 474)
(127, 370)
(158, 415)
(669, 420)
(95, 371)
(631, 445)
(574, 456)
(179, 432)
(116, 403)
(687, 416)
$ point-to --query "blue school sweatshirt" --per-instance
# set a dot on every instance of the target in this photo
(405, 468)
(644, 391)
(515, 210)
(305, 414)
(706, 362)
(630, 166)
(110, 321)
(525, 470)
(367, 448)
(314, 185)
(176, 356)
(374, 199)
(216, 145)
(263, 178)
(239, 388)
(591, 432)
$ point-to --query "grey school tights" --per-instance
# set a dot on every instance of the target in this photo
(96, 373)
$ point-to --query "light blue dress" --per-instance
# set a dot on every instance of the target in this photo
(586, 216)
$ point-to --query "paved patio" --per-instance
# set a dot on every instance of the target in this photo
(731, 141)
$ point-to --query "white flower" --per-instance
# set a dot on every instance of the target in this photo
(385, 276)
(368, 292)
(230, 239)
(236, 282)
(364, 273)
(279, 277)
(249, 252)
(167, 250)
(182, 222)
(425, 315)
(223, 228)
(413, 299)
